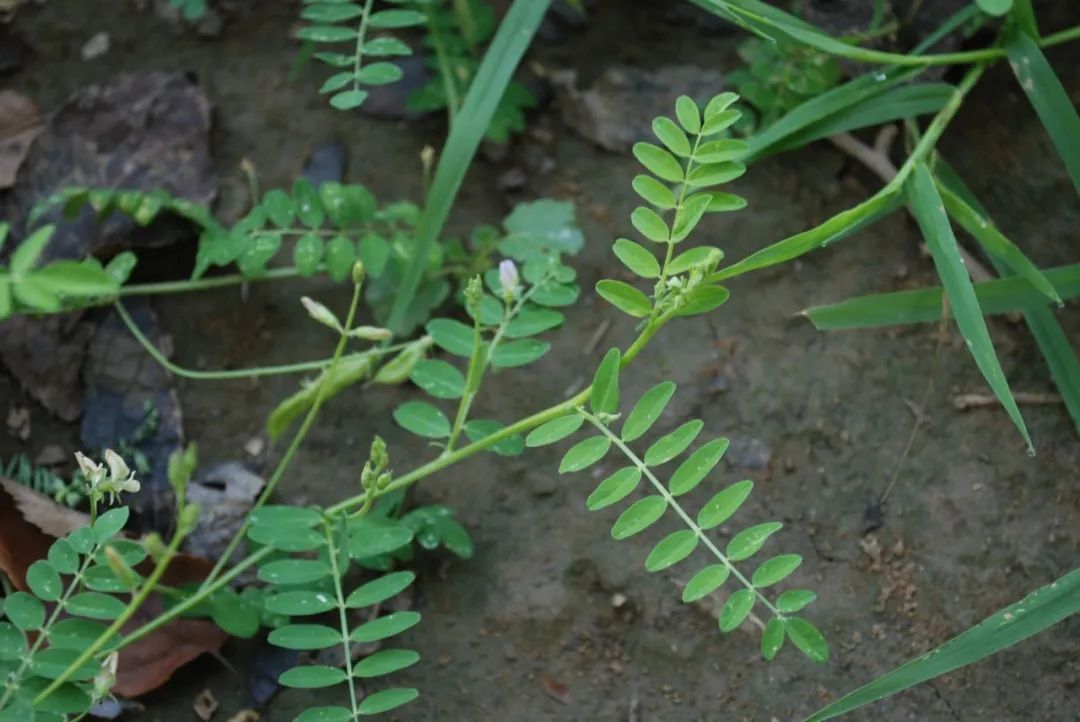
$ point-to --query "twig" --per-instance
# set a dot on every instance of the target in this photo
(964, 402)
(876, 159)
(597, 337)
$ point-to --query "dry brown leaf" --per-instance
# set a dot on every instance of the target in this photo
(20, 123)
(205, 705)
(30, 521)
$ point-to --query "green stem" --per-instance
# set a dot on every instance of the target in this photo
(684, 186)
(358, 53)
(200, 375)
(294, 446)
(687, 519)
(343, 619)
(205, 284)
(137, 600)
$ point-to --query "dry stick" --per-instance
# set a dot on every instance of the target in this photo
(876, 159)
(964, 402)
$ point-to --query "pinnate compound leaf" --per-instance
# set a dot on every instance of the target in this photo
(293, 571)
(624, 297)
(639, 516)
(512, 354)
(584, 454)
(387, 699)
(44, 581)
(747, 542)
(304, 636)
(671, 550)
(614, 488)
(720, 508)
(312, 676)
(668, 447)
(554, 430)
(807, 638)
(687, 112)
(384, 627)
(659, 162)
(649, 224)
(654, 192)
(794, 600)
(776, 569)
(697, 466)
(452, 336)
(672, 136)
(422, 419)
(438, 379)
(773, 638)
(385, 661)
(647, 410)
(736, 609)
(705, 582)
(604, 397)
(637, 258)
(379, 590)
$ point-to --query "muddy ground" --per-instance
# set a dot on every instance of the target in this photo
(973, 523)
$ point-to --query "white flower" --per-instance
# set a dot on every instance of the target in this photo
(117, 479)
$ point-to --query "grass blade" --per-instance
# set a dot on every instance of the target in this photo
(929, 213)
(982, 229)
(897, 103)
(924, 305)
(841, 225)
(1041, 609)
(1048, 97)
(1054, 345)
(471, 122)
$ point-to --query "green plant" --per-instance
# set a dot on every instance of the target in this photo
(305, 557)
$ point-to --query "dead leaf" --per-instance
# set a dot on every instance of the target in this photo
(29, 523)
(20, 123)
(554, 688)
(245, 715)
(205, 705)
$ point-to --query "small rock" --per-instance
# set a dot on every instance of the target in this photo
(748, 453)
(618, 600)
(325, 164)
(96, 46)
(225, 493)
(512, 180)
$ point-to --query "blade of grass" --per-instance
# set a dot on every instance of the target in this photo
(924, 305)
(843, 224)
(1041, 609)
(906, 101)
(496, 70)
(983, 230)
(1056, 348)
(1048, 97)
(930, 214)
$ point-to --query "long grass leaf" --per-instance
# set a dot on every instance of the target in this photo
(930, 214)
(1048, 97)
(841, 225)
(1041, 609)
(906, 101)
(1056, 348)
(924, 305)
(983, 230)
(471, 122)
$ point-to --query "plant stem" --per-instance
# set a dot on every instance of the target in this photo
(687, 519)
(298, 438)
(478, 361)
(226, 374)
(205, 284)
(137, 600)
(342, 618)
(358, 52)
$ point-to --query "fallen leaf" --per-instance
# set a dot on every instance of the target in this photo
(29, 523)
(20, 123)
(245, 715)
(554, 688)
(205, 705)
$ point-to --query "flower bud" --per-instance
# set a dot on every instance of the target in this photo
(189, 519)
(154, 546)
(120, 568)
(358, 272)
(509, 279)
(320, 313)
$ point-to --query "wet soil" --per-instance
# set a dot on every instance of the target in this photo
(550, 603)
